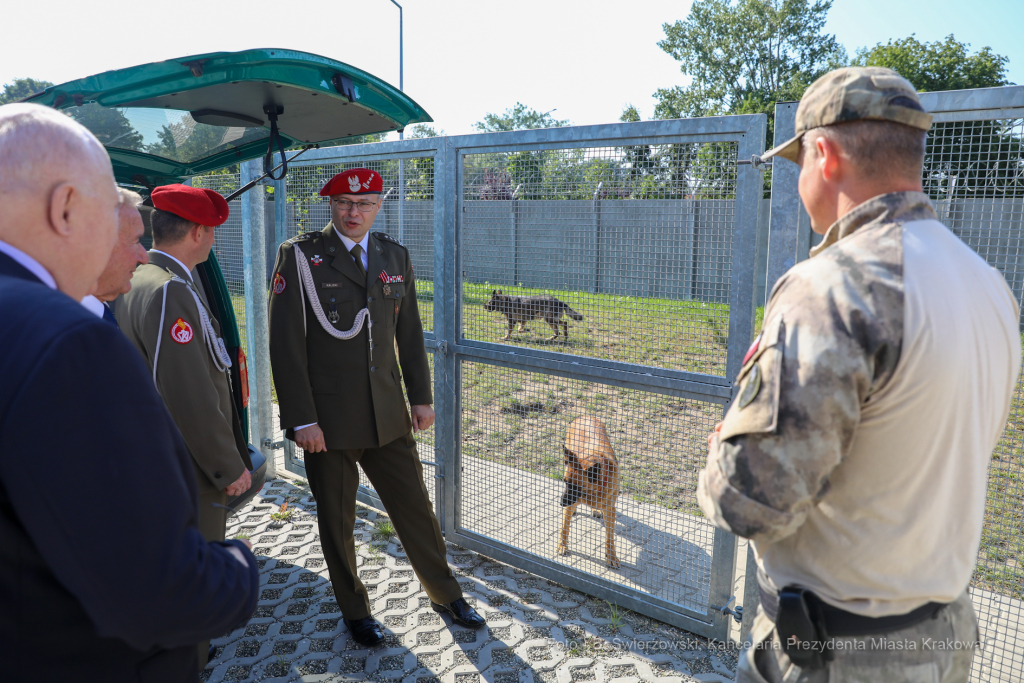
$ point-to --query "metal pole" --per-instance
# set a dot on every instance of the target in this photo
(401, 133)
(257, 333)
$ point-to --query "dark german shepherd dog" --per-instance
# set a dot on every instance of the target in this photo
(591, 476)
(523, 309)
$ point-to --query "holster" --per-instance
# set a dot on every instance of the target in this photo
(801, 628)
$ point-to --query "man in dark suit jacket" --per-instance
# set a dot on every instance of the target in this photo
(104, 575)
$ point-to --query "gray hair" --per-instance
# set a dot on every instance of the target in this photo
(39, 143)
(129, 197)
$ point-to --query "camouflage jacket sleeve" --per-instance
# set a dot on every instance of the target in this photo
(827, 344)
(412, 356)
(186, 381)
(288, 356)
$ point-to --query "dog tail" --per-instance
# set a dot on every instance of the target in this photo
(573, 314)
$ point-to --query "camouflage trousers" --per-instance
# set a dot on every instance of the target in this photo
(937, 650)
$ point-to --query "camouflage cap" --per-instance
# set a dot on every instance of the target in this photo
(854, 93)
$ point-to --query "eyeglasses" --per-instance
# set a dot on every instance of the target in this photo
(345, 205)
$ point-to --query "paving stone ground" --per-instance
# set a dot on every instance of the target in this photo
(537, 630)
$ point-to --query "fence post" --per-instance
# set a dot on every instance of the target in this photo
(254, 258)
(447, 280)
(788, 224)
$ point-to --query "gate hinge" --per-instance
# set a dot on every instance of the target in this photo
(737, 613)
(442, 347)
(273, 445)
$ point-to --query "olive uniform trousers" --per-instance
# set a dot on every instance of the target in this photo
(397, 476)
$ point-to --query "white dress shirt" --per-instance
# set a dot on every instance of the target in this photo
(93, 305)
(28, 263)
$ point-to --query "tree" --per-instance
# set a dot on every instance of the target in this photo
(20, 88)
(746, 57)
(982, 158)
(520, 117)
(942, 65)
(110, 126)
(422, 130)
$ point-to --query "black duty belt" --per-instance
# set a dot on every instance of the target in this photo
(805, 623)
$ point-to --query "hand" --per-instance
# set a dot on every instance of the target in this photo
(310, 439)
(718, 429)
(422, 418)
(240, 485)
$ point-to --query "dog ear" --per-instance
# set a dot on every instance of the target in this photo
(499, 292)
(569, 455)
(494, 292)
(594, 473)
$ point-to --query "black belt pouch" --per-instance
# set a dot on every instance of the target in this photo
(801, 629)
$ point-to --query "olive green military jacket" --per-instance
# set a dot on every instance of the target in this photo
(196, 391)
(352, 391)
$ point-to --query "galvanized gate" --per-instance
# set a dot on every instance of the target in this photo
(645, 233)
(974, 175)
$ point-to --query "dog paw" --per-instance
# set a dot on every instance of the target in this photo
(563, 550)
(613, 562)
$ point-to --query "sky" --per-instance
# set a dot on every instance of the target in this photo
(463, 58)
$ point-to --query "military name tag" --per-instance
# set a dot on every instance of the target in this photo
(752, 386)
(330, 285)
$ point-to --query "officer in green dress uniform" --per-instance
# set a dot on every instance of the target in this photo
(342, 302)
(167, 318)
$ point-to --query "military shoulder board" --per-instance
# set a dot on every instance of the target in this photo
(389, 238)
(304, 237)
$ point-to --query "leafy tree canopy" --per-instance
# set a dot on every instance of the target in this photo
(20, 88)
(422, 130)
(519, 117)
(942, 65)
(745, 57)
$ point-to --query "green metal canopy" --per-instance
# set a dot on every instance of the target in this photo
(167, 121)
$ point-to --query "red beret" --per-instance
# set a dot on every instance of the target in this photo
(195, 204)
(354, 181)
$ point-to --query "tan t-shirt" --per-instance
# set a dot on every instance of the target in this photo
(885, 374)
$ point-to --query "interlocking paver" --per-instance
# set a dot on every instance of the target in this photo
(538, 631)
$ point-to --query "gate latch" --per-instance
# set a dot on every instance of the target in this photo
(736, 614)
(757, 162)
(273, 445)
(442, 347)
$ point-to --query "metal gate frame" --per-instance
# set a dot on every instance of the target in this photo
(748, 132)
(450, 349)
(790, 238)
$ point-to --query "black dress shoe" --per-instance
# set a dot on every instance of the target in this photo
(365, 631)
(461, 613)
(211, 654)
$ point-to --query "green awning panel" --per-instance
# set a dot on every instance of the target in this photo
(167, 121)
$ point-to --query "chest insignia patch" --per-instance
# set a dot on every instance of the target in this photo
(316, 260)
(387, 290)
(181, 331)
(751, 388)
(279, 283)
(387, 279)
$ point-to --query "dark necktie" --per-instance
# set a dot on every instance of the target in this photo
(357, 254)
(108, 315)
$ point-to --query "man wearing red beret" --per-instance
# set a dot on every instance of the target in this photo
(168, 319)
(343, 300)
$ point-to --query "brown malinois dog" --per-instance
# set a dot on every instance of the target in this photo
(522, 309)
(591, 477)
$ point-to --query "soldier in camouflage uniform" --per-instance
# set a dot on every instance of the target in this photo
(855, 452)
(342, 303)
